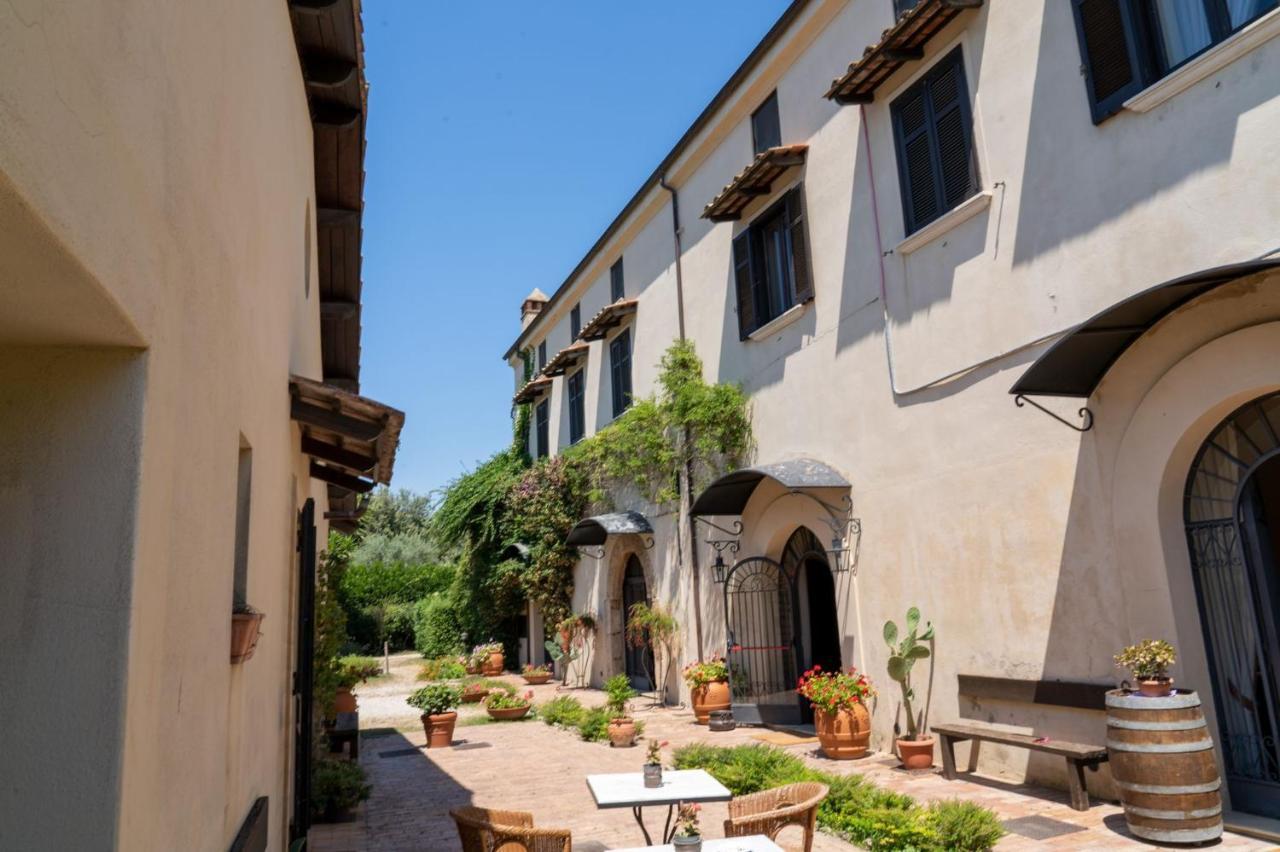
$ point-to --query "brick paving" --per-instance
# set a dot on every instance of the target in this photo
(532, 767)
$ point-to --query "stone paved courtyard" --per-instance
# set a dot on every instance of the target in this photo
(531, 766)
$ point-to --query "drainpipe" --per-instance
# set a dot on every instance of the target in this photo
(686, 540)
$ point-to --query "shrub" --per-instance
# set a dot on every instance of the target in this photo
(619, 694)
(369, 584)
(594, 725)
(436, 628)
(337, 785)
(565, 711)
(436, 699)
(492, 685)
(893, 829)
(964, 826)
(442, 668)
(361, 668)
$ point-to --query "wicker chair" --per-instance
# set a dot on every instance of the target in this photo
(488, 830)
(770, 811)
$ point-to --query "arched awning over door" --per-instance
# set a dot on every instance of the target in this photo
(730, 494)
(595, 531)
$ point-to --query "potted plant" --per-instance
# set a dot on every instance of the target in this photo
(688, 836)
(1149, 662)
(506, 706)
(708, 682)
(653, 628)
(245, 623)
(337, 787)
(574, 646)
(487, 659)
(473, 690)
(535, 675)
(840, 712)
(916, 748)
(344, 700)
(653, 764)
(438, 703)
(622, 728)
(470, 664)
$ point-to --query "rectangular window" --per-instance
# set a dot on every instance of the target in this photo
(933, 131)
(617, 289)
(575, 322)
(771, 263)
(577, 408)
(244, 490)
(1127, 45)
(766, 128)
(541, 422)
(620, 371)
(542, 354)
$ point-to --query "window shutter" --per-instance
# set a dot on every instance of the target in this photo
(799, 246)
(949, 101)
(742, 280)
(1109, 52)
(915, 158)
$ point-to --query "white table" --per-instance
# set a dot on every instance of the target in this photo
(627, 790)
(754, 843)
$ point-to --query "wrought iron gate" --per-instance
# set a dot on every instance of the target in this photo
(761, 614)
(303, 672)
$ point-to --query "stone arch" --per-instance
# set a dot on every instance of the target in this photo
(612, 629)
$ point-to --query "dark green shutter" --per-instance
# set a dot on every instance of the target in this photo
(1112, 65)
(799, 245)
(743, 284)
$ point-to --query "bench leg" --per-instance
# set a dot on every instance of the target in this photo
(973, 754)
(948, 758)
(1075, 782)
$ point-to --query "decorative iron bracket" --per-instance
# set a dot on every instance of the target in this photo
(596, 552)
(1084, 413)
(735, 531)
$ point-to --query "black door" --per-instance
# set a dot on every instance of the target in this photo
(303, 673)
(761, 615)
(638, 658)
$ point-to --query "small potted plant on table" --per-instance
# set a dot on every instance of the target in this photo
(622, 728)
(535, 675)
(653, 764)
(1149, 663)
(916, 748)
(840, 712)
(708, 682)
(506, 706)
(438, 703)
(688, 836)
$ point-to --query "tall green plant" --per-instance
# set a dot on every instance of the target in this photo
(653, 627)
(902, 658)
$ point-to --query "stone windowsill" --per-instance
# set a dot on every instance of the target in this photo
(962, 212)
(779, 322)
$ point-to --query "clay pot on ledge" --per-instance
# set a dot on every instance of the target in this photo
(1158, 687)
(244, 634)
(493, 665)
(708, 699)
(622, 732)
(344, 700)
(537, 679)
(916, 754)
(845, 734)
(439, 729)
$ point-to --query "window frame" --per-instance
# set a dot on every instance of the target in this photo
(575, 322)
(576, 398)
(542, 429)
(768, 104)
(542, 355)
(621, 399)
(617, 283)
(790, 210)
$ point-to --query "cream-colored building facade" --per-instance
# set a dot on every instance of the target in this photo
(1035, 549)
(163, 195)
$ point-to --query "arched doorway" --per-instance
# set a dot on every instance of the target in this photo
(1232, 516)
(637, 660)
(819, 634)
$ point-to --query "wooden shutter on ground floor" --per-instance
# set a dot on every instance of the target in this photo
(744, 284)
(803, 280)
(1109, 53)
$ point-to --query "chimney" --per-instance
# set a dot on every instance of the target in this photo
(532, 307)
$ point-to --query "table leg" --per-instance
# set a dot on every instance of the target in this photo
(669, 830)
(638, 813)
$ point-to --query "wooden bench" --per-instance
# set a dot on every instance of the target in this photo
(1077, 755)
(346, 732)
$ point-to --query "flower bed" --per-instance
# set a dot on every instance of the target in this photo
(856, 809)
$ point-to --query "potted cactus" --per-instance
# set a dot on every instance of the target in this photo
(438, 703)
(1149, 663)
(916, 748)
(622, 728)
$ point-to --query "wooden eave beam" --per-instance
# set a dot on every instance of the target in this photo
(340, 479)
(846, 99)
(328, 72)
(339, 309)
(902, 54)
(325, 451)
(337, 216)
(313, 7)
(334, 421)
(334, 115)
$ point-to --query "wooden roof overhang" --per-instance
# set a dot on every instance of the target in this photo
(902, 43)
(754, 181)
(328, 35)
(351, 439)
(532, 389)
(565, 359)
(609, 318)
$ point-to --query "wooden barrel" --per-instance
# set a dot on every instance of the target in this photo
(1162, 761)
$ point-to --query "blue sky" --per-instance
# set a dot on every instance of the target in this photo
(503, 138)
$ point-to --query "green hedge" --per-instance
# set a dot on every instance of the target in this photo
(437, 629)
(367, 584)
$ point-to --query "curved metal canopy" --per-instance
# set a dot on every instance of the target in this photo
(515, 550)
(594, 531)
(729, 494)
(1076, 363)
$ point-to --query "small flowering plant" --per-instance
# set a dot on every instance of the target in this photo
(654, 757)
(480, 653)
(687, 821)
(499, 700)
(1148, 660)
(832, 692)
(531, 669)
(702, 672)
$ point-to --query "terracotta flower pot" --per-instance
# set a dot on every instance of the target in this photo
(344, 700)
(439, 729)
(472, 694)
(244, 634)
(493, 665)
(506, 714)
(537, 679)
(1156, 687)
(846, 734)
(707, 699)
(472, 670)
(916, 754)
(622, 732)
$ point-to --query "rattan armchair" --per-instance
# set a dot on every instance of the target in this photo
(488, 830)
(770, 811)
